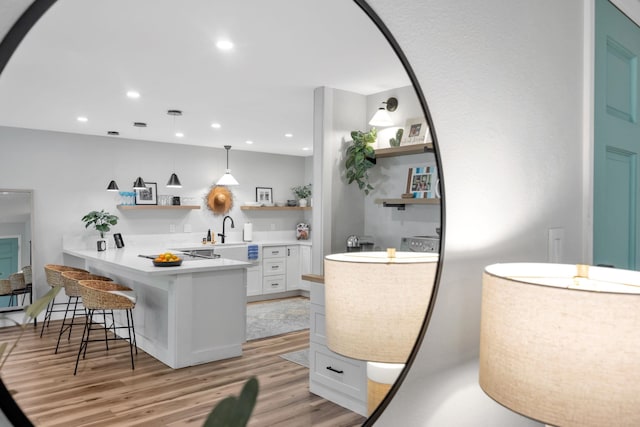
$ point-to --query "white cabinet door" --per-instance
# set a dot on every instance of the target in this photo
(305, 265)
(254, 280)
(293, 268)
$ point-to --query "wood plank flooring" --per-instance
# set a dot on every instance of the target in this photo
(106, 392)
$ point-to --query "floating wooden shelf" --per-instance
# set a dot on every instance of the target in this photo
(275, 208)
(156, 207)
(401, 203)
(404, 150)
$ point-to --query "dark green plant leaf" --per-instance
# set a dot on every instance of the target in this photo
(232, 411)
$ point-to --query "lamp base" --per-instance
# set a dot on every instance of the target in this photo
(380, 378)
(375, 393)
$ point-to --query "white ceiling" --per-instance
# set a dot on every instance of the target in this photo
(83, 56)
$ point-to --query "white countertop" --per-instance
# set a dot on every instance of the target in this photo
(128, 258)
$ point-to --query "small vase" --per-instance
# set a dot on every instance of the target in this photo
(302, 203)
(101, 244)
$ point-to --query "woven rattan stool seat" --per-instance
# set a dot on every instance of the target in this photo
(53, 273)
(70, 280)
(106, 296)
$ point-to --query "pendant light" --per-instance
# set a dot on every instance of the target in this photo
(112, 186)
(227, 179)
(139, 184)
(174, 182)
(381, 117)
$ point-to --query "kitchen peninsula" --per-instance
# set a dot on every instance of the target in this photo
(185, 315)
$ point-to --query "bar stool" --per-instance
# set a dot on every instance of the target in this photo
(18, 286)
(103, 296)
(72, 290)
(5, 290)
(53, 273)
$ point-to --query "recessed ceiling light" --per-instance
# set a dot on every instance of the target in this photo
(224, 45)
(249, 142)
(179, 134)
(140, 124)
(215, 125)
(288, 135)
(82, 119)
(133, 94)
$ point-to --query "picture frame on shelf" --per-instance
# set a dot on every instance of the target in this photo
(416, 131)
(148, 195)
(264, 195)
(422, 182)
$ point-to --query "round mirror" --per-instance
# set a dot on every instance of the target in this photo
(292, 79)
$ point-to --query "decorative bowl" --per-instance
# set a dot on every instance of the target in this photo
(167, 263)
(292, 203)
(280, 204)
(252, 203)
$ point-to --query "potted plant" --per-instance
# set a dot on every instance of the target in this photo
(101, 222)
(302, 192)
(360, 158)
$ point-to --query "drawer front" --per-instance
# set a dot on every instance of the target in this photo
(274, 251)
(273, 284)
(348, 376)
(317, 331)
(273, 266)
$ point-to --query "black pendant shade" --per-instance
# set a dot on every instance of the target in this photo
(174, 182)
(139, 184)
(112, 186)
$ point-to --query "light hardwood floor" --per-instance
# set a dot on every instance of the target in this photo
(106, 392)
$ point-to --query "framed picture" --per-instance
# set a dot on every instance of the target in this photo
(147, 196)
(264, 195)
(416, 131)
(422, 182)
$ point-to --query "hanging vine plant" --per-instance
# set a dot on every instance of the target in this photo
(360, 158)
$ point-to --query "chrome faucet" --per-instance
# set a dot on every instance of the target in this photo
(224, 221)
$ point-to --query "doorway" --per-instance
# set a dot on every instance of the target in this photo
(616, 139)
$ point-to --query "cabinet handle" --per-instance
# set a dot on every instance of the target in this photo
(273, 285)
(275, 267)
(337, 371)
(288, 252)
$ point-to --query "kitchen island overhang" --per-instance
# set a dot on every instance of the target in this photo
(186, 315)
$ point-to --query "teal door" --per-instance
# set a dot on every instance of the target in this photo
(617, 139)
(8, 262)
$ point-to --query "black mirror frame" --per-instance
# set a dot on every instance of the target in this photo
(35, 11)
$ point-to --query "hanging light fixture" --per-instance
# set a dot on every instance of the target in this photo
(139, 184)
(381, 117)
(112, 186)
(174, 182)
(227, 178)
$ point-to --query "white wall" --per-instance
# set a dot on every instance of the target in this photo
(503, 83)
(69, 174)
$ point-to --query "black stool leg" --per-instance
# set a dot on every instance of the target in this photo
(84, 342)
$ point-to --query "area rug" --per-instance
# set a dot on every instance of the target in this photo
(266, 319)
(301, 357)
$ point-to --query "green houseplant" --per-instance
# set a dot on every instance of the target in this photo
(360, 158)
(101, 221)
(302, 191)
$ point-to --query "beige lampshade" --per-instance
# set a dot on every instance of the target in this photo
(375, 305)
(561, 343)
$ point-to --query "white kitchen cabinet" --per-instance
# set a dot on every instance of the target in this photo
(293, 268)
(274, 262)
(339, 379)
(305, 265)
(254, 280)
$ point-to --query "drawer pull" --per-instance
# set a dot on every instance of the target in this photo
(337, 371)
(275, 284)
(275, 267)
